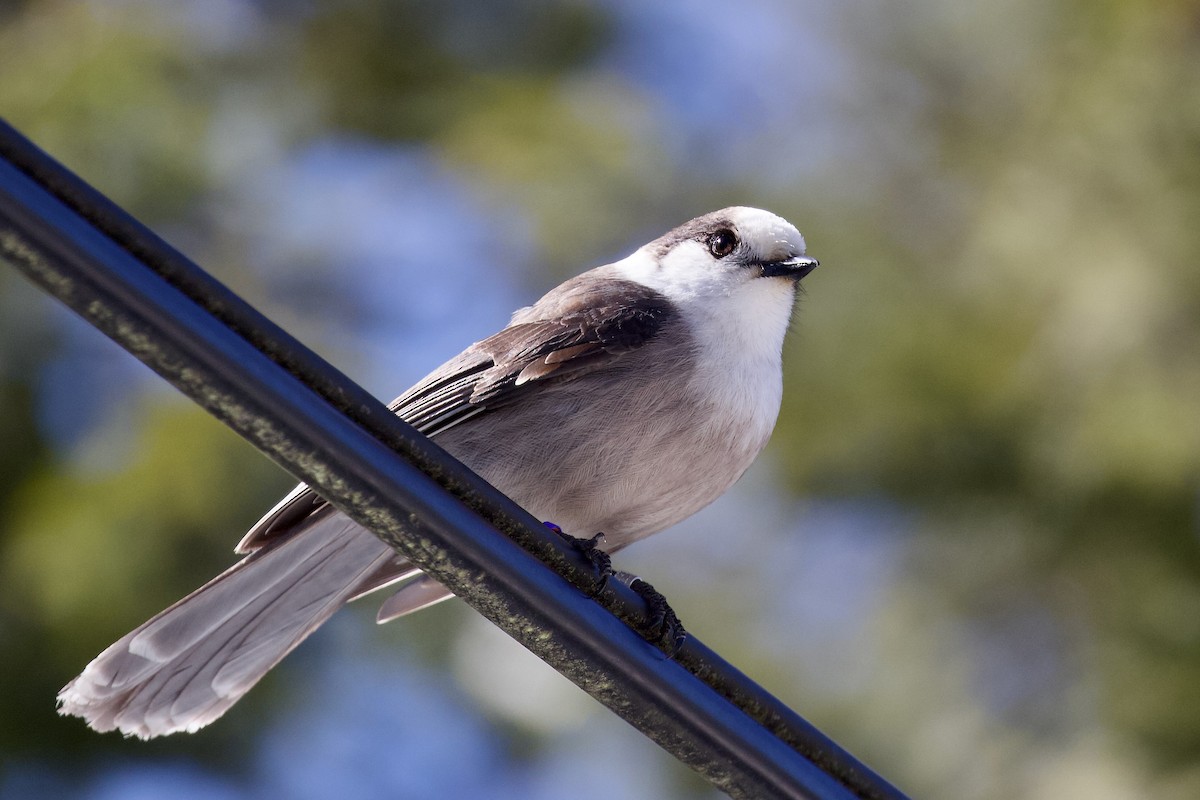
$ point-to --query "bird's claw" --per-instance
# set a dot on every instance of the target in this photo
(663, 629)
(590, 549)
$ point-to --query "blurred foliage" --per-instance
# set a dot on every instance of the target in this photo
(1047, 390)
(1002, 343)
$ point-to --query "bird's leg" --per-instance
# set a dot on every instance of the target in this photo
(663, 629)
(590, 548)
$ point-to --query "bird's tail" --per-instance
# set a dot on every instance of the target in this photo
(185, 667)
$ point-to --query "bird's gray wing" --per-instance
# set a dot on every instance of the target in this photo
(581, 326)
(571, 332)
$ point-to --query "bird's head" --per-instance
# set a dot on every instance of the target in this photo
(719, 253)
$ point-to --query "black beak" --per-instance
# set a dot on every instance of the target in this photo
(794, 268)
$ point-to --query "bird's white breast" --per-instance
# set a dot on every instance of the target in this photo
(739, 340)
(738, 326)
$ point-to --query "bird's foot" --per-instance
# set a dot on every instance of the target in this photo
(590, 549)
(663, 629)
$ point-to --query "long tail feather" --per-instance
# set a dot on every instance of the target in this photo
(185, 667)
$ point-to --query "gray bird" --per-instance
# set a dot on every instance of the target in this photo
(623, 401)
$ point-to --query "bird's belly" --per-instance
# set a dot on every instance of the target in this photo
(627, 467)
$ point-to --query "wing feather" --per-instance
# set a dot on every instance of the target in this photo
(584, 325)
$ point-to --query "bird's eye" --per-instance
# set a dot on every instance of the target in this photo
(722, 243)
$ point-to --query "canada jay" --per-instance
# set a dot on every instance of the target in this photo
(623, 401)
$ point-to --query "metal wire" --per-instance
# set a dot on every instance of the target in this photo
(332, 434)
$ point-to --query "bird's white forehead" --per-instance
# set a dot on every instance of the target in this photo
(766, 235)
(771, 235)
